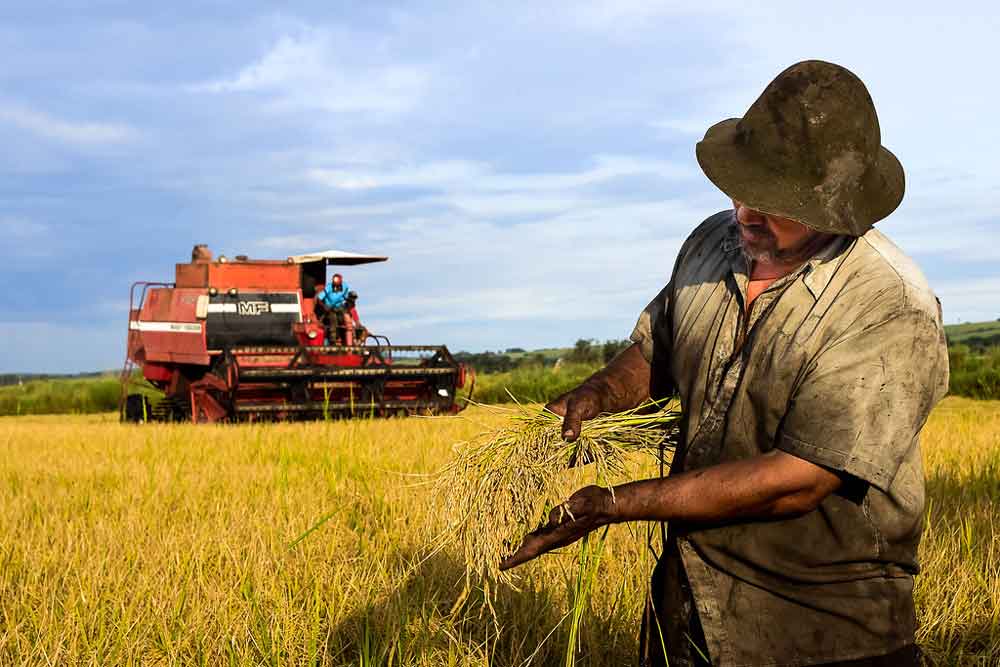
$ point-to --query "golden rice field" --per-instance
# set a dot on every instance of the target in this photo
(170, 544)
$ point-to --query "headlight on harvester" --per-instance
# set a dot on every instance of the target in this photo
(311, 335)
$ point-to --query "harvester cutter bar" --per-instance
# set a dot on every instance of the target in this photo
(336, 349)
(383, 371)
(320, 406)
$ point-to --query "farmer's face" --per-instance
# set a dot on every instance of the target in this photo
(337, 284)
(769, 238)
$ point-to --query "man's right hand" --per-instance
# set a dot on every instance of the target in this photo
(575, 407)
(621, 385)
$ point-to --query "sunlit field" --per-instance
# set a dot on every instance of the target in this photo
(176, 544)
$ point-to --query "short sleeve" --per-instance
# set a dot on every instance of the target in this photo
(652, 330)
(863, 400)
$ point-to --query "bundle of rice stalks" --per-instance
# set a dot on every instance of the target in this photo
(503, 483)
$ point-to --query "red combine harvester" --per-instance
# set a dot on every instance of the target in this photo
(233, 340)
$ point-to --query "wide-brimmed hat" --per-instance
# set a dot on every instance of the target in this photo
(808, 149)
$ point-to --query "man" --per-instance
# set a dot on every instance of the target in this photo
(338, 300)
(807, 352)
(358, 330)
(334, 296)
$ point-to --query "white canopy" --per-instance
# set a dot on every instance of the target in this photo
(336, 257)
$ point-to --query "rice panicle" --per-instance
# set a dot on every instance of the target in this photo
(503, 483)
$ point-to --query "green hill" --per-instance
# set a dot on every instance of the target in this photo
(977, 335)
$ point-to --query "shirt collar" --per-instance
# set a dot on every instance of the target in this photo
(824, 264)
(816, 273)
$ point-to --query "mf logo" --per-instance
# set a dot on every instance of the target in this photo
(253, 307)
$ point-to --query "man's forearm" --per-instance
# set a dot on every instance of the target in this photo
(624, 382)
(621, 385)
(769, 486)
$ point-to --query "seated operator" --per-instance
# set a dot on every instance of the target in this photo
(360, 333)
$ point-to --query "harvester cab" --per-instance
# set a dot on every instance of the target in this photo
(241, 339)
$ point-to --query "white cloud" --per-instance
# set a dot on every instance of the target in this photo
(597, 263)
(474, 191)
(439, 174)
(78, 133)
(510, 247)
(342, 180)
(522, 166)
(455, 175)
(308, 71)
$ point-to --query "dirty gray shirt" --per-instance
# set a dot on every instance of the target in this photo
(838, 363)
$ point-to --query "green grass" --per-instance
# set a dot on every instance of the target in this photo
(532, 384)
(80, 396)
(975, 374)
(169, 544)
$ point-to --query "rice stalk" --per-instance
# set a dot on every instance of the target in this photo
(504, 482)
(590, 558)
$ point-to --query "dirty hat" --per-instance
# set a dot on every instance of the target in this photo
(808, 149)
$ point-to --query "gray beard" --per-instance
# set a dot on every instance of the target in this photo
(767, 251)
(751, 255)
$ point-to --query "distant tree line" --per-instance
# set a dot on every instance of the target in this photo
(7, 379)
(584, 351)
(487, 362)
(589, 351)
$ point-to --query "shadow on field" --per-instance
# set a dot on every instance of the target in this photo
(433, 615)
(977, 487)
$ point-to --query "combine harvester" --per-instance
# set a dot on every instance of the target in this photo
(236, 340)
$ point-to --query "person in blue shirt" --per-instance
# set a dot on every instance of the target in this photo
(337, 300)
(334, 295)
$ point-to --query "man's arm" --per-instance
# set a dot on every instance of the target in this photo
(621, 385)
(769, 486)
(627, 380)
(319, 307)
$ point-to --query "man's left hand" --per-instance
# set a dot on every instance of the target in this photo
(586, 510)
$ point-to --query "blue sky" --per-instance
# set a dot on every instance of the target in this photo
(529, 168)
